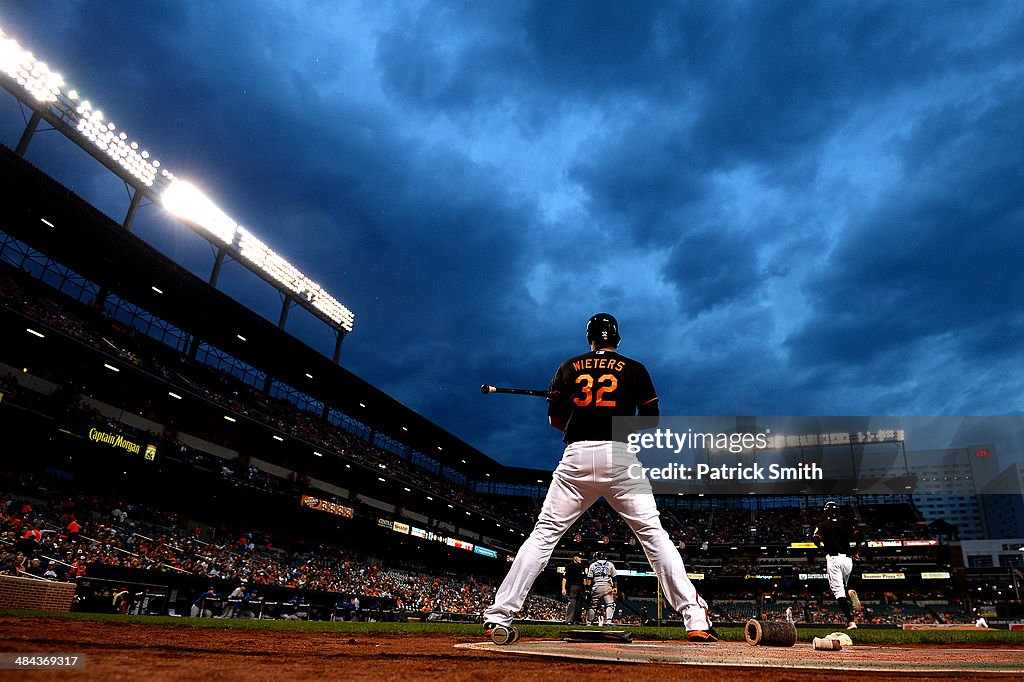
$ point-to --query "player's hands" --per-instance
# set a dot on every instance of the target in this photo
(564, 593)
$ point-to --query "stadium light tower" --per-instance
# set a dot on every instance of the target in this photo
(42, 90)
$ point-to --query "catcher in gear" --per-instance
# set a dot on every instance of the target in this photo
(587, 392)
(603, 590)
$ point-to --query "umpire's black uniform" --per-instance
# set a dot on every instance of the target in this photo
(572, 584)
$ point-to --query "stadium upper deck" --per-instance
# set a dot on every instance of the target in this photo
(96, 247)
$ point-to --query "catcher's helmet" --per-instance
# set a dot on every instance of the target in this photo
(603, 329)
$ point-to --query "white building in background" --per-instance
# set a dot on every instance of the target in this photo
(949, 486)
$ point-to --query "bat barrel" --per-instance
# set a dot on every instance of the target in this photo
(487, 389)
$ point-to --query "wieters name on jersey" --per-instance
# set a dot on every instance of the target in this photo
(598, 363)
(590, 389)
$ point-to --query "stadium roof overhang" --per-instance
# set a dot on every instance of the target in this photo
(96, 247)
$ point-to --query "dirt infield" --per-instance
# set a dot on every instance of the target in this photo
(934, 660)
(123, 651)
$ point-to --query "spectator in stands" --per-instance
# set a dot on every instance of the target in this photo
(77, 569)
(35, 567)
(51, 571)
(30, 541)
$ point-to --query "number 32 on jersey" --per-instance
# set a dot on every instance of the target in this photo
(605, 384)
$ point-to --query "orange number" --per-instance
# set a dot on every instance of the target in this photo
(613, 383)
(606, 383)
(588, 384)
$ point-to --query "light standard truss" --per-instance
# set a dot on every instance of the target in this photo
(45, 93)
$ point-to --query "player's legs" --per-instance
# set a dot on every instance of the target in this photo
(634, 501)
(834, 569)
(575, 604)
(609, 607)
(600, 597)
(839, 568)
(569, 495)
(592, 607)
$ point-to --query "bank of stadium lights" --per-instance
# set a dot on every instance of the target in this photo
(187, 202)
(104, 135)
(46, 86)
(33, 75)
(178, 197)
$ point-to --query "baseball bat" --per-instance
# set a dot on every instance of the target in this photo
(487, 390)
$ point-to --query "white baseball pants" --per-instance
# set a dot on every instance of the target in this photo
(588, 471)
(839, 568)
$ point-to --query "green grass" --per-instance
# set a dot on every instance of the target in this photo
(805, 634)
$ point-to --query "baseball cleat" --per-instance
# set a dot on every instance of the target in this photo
(854, 599)
(502, 634)
(702, 636)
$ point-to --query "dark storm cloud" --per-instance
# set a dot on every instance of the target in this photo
(941, 255)
(711, 269)
(792, 207)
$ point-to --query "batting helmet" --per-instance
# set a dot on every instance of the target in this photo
(831, 509)
(599, 555)
(603, 329)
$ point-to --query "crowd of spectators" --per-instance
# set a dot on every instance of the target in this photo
(64, 538)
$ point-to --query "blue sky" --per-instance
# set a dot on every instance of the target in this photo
(792, 208)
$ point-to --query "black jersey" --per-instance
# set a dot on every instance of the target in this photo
(590, 389)
(836, 536)
(574, 573)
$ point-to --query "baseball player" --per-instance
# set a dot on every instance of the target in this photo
(834, 536)
(573, 588)
(587, 392)
(201, 606)
(603, 590)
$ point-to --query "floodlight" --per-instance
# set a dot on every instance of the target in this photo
(36, 77)
(183, 200)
